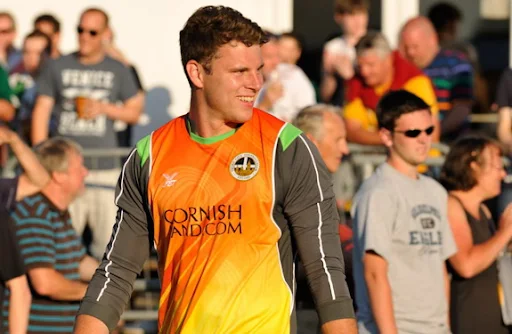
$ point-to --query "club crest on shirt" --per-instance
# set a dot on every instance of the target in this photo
(244, 166)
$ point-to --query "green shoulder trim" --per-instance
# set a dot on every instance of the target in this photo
(144, 149)
(288, 135)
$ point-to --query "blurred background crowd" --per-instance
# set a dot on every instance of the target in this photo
(337, 56)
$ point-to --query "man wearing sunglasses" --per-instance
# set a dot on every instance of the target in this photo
(401, 234)
(88, 91)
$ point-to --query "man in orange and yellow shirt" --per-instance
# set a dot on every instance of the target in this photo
(380, 70)
(227, 194)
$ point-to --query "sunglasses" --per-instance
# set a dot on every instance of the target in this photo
(416, 132)
(81, 30)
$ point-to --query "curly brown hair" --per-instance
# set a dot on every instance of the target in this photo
(457, 173)
(211, 27)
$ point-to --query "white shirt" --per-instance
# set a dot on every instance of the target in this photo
(340, 46)
(298, 92)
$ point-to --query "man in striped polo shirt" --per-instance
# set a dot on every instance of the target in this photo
(53, 254)
(450, 72)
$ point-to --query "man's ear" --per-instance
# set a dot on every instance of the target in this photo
(58, 177)
(195, 72)
(386, 136)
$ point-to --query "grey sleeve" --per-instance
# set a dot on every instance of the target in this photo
(310, 209)
(374, 219)
(111, 286)
(128, 84)
(46, 85)
(504, 89)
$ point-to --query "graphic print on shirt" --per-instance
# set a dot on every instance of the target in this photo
(94, 84)
(244, 166)
(426, 233)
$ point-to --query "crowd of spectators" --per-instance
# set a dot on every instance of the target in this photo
(420, 256)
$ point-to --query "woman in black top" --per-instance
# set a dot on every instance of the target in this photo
(472, 173)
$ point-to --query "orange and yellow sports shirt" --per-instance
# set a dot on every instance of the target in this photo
(227, 216)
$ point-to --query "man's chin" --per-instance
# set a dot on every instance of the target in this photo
(243, 116)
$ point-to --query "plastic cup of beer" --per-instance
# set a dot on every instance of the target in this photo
(80, 105)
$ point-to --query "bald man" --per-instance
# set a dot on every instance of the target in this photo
(450, 72)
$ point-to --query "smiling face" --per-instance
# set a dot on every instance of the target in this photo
(234, 79)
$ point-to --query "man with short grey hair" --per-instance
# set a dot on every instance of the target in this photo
(54, 257)
(381, 70)
(324, 126)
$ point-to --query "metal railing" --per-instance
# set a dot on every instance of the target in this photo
(484, 118)
(366, 157)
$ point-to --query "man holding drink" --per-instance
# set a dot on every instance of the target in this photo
(88, 91)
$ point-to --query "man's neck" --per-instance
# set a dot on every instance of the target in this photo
(403, 167)
(351, 39)
(205, 122)
(91, 59)
(388, 78)
(3, 56)
(56, 54)
(472, 200)
(56, 196)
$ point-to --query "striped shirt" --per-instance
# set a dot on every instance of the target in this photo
(48, 240)
(452, 76)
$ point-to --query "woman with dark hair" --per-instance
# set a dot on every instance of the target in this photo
(472, 173)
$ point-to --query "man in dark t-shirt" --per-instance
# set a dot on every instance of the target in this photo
(12, 273)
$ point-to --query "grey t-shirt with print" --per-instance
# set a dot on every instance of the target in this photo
(66, 78)
(404, 220)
